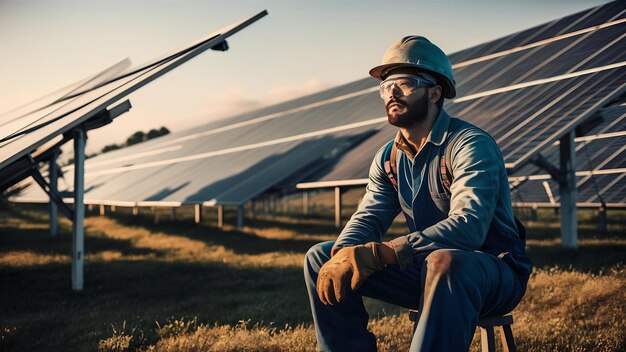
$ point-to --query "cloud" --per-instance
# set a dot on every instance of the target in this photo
(236, 100)
(283, 93)
(233, 101)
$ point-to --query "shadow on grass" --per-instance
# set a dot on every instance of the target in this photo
(34, 213)
(588, 257)
(298, 224)
(47, 315)
(238, 242)
(38, 302)
(37, 240)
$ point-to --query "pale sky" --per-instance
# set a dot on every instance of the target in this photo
(299, 48)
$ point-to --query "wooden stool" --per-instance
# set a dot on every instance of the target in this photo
(487, 338)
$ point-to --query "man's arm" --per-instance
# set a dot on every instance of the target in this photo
(476, 165)
(375, 213)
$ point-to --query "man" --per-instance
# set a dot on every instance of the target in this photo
(464, 257)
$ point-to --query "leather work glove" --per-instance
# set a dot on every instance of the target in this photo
(350, 266)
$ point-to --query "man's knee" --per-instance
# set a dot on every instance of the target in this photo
(440, 261)
(317, 255)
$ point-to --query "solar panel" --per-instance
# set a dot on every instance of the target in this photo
(602, 151)
(29, 135)
(233, 165)
(24, 111)
(530, 88)
(73, 115)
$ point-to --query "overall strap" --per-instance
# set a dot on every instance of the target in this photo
(445, 166)
(390, 163)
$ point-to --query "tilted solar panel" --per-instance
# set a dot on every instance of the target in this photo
(531, 88)
(29, 135)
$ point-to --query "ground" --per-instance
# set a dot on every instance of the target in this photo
(178, 286)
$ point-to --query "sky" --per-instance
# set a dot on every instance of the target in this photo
(301, 47)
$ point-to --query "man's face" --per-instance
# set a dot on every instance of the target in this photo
(406, 110)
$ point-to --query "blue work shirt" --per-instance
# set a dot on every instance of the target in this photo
(475, 214)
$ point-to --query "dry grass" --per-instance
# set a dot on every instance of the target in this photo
(177, 286)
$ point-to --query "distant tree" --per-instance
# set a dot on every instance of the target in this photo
(135, 138)
(153, 133)
(110, 147)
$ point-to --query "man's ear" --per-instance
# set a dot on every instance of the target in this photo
(435, 94)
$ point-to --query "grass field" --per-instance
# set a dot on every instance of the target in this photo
(177, 286)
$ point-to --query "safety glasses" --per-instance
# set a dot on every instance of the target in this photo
(404, 85)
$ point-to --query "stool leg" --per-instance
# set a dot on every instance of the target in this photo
(487, 340)
(506, 333)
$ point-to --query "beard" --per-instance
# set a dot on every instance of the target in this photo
(401, 114)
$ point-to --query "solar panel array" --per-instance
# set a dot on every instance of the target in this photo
(527, 89)
(231, 161)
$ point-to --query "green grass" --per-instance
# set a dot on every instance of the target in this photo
(177, 286)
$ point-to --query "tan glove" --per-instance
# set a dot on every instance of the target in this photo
(349, 266)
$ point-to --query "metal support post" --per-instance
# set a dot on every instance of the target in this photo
(102, 209)
(78, 240)
(305, 203)
(533, 213)
(338, 207)
(285, 204)
(240, 216)
(135, 210)
(198, 213)
(113, 208)
(54, 177)
(567, 187)
(273, 204)
(602, 219)
(220, 216)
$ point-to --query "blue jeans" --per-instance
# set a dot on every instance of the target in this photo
(451, 289)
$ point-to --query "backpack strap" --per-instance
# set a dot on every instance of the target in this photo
(391, 152)
(445, 166)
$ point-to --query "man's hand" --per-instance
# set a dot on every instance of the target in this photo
(351, 266)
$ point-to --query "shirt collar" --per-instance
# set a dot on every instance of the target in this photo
(437, 135)
(439, 132)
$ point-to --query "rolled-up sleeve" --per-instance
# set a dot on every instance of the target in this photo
(476, 166)
(375, 213)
